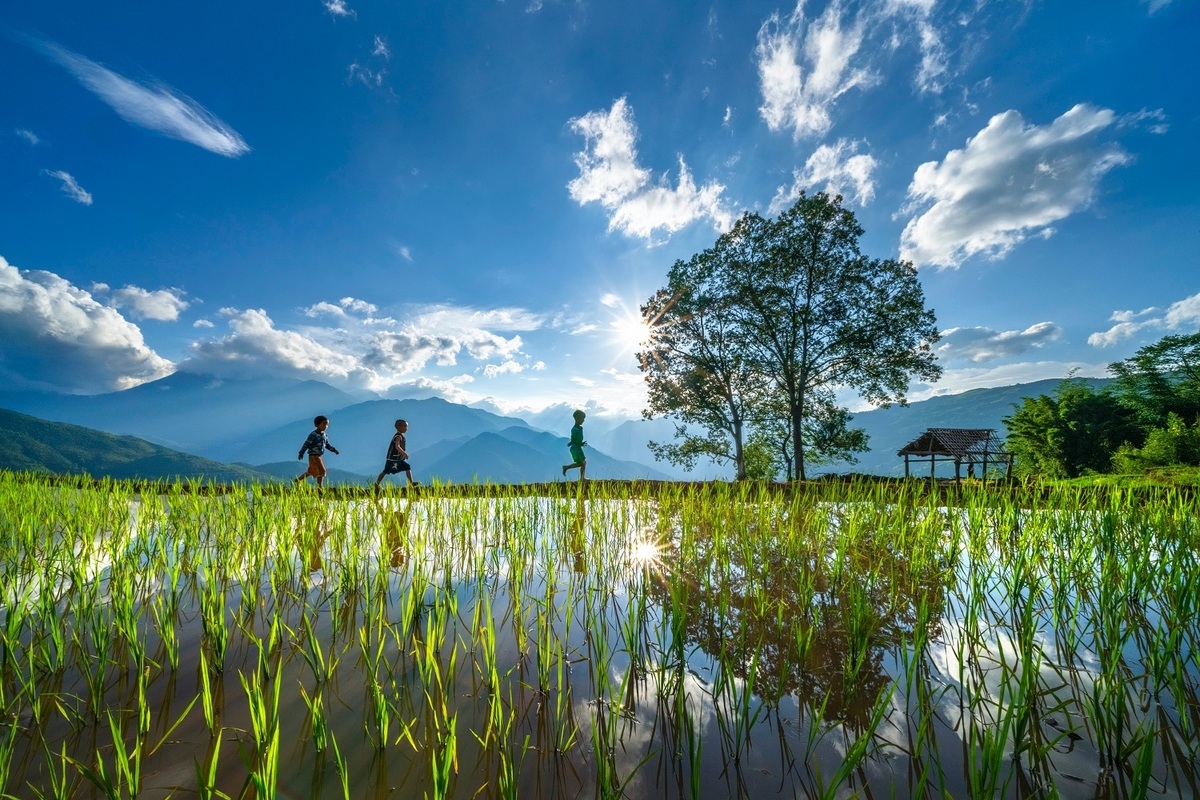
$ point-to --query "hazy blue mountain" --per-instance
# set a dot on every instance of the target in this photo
(628, 441)
(521, 455)
(892, 428)
(184, 411)
(38, 445)
(362, 432)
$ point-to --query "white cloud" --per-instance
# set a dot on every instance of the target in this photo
(154, 106)
(338, 8)
(28, 135)
(448, 388)
(71, 187)
(1011, 181)
(361, 351)
(404, 252)
(343, 308)
(805, 66)
(1154, 120)
(611, 300)
(509, 367)
(202, 323)
(59, 337)
(366, 76)
(611, 176)
(162, 304)
(836, 169)
(380, 49)
(985, 344)
(1181, 315)
(256, 347)
(1154, 6)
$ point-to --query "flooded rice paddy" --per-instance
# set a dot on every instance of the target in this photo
(729, 643)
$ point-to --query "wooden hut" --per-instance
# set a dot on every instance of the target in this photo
(968, 446)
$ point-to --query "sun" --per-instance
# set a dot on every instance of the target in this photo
(629, 331)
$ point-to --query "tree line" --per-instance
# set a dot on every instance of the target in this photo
(752, 341)
(1147, 416)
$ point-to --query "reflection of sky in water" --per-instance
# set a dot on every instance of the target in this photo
(586, 564)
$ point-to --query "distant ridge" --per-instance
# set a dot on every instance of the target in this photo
(59, 448)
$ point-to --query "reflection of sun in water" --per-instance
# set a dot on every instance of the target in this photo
(646, 552)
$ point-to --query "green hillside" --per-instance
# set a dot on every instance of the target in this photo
(37, 445)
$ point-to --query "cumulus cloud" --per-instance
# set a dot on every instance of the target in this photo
(1181, 315)
(984, 344)
(59, 337)
(638, 206)
(71, 187)
(805, 65)
(836, 169)
(28, 135)
(509, 367)
(361, 350)
(155, 106)
(254, 346)
(1011, 181)
(421, 387)
(162, 304)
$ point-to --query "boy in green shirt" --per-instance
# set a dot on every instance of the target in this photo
(578, 459)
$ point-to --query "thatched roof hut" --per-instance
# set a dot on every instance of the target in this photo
(968, 446)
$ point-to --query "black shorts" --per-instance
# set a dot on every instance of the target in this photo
(393, 466)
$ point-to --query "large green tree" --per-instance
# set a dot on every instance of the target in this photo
(801, 312)
(816, 314)
(695, 369)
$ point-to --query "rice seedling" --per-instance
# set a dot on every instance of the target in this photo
(976, 641)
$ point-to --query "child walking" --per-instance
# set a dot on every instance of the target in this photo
(578, 459)
(315, 445)
(397, 456)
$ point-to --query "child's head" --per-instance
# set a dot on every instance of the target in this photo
(401, 426)
(320, 422)
(579, 416)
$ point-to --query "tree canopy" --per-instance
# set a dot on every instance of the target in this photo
(761, 330)
(1148, 417)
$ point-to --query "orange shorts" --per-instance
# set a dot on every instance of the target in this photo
(316, 467)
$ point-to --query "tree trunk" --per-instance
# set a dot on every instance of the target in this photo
(798, 437)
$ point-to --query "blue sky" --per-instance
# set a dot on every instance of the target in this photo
(471, 199)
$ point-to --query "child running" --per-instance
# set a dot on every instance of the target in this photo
(315, 445)
(578, 459)
(397, 456)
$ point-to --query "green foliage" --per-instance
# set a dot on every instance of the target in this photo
(763, 460)
(1161, 379)
(1149, 417)
(760, 327)
(1073, 432)
(1175, 444)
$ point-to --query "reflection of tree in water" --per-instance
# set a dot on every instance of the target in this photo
(808, 602)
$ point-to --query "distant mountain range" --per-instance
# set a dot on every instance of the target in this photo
(194, 425)
(58, 448)
(892, 428)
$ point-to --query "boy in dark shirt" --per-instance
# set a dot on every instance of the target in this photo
(315, 445)
(397, 456)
